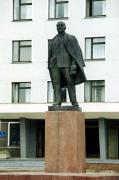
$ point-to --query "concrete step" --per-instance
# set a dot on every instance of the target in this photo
(26, 164)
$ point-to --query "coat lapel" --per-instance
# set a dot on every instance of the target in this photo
(57, 41)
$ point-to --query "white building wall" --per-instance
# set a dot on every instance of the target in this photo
(39, 30)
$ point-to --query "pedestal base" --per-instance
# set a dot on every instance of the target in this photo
(64, 108)
(65, 141)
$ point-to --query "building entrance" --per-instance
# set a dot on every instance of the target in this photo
(40, 138)
(32, 138)
(92, 139)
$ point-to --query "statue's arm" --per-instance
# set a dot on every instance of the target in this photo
(77, 50)
(73, 64)
(49, 51)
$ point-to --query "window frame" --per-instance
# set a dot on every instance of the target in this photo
(20, 5)
(90, 7)
(19, 47)
(93, 43)
(18, 85)
(55, 11)
(91, 86)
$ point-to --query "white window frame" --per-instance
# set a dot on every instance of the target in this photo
(54, 15)
(18, 84)
(92, 43)
(20, 46)
(90, 9)
(91, 90)
(20, 5)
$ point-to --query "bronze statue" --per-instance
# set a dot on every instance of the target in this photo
(65, 63)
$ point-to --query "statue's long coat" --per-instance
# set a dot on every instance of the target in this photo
(73, 48)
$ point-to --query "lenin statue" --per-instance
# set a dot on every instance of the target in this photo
(65, 64)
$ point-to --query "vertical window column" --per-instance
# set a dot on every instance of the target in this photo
(103, 138)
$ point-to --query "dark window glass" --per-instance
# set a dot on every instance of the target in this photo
(14, 134)
(113, 138)
(92, 139)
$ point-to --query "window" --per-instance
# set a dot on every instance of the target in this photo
(14, 134)
(9, 139)
(95, 8)
(95, 48)
(22, 9)
(94, 91)
(21, 92)
(50, 94)
(58, 8)
(21, 51)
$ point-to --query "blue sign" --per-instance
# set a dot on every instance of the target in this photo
(3, 134)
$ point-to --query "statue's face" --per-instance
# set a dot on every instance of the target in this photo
(61, 27)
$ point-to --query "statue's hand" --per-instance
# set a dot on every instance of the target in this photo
(73, 69)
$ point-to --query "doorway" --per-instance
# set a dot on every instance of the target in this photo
(40, 138)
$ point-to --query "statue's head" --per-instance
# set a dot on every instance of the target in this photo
(61, 27)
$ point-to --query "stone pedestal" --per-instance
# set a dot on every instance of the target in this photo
(64, 141)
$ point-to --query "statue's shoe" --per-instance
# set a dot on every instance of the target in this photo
(75, 104)
(57, 104)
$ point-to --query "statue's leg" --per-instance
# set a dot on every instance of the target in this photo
(70, 86)
(72, 95)
(56, 85)
(57, 94)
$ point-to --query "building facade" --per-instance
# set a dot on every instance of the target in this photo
(26, 26)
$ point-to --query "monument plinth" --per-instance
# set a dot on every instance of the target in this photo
(64, 141)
